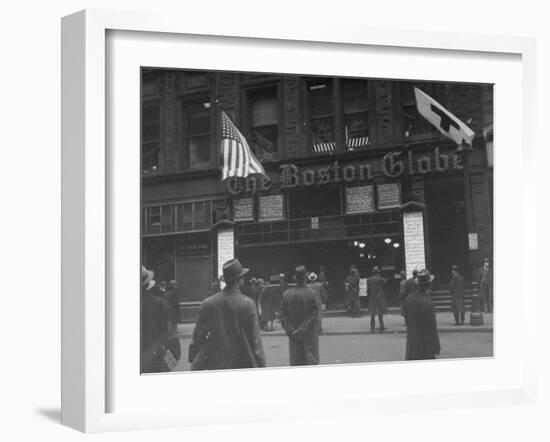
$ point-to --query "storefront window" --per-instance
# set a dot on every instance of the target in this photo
(173, 218)
(264, 122)
(321, 111)
(197, 133)
(356, 115)
(150, 136)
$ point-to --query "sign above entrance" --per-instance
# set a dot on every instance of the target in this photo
(271, 208)
(392, 165)
(359, 199)
(243, 209)
(389, 195)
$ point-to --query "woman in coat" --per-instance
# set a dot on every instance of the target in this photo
(422, 336)
(457, 296)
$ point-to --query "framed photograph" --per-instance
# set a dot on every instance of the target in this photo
(329, 212)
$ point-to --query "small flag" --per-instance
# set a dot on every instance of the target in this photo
(442, 119)
(237, 158)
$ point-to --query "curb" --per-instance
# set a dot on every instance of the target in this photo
(368, 333)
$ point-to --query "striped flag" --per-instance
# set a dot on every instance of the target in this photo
(237, 158)
(442, 119)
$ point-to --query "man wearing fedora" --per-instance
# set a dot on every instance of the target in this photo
(422, 335)
(485, 284)
(319, 290)
(377, 299)
(457, 295)
(227, 334)
(160, 350)
(299, 318)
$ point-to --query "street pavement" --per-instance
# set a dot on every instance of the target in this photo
(349, 340)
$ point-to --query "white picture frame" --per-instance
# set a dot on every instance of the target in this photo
(87, 216)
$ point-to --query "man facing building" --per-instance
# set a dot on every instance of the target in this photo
(422, 336)
(227, 334)
(377, 299)
(299, 318)
(485, 284)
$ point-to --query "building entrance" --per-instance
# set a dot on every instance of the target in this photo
(335, 256)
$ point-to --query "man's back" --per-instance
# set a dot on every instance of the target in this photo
(297, 305)
(228, 332)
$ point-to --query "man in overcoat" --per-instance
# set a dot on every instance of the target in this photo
(410, 285)
(227, 334)
(377, 299)
(351, 286)
(317, 288)
(422, 335)
(299, 318)
(160, 350)
(485, 284)
(457, 295)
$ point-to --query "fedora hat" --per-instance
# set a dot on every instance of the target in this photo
(300, 272)
(424, 277)
(233, 270)
(312, 276)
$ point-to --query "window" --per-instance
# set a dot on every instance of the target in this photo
(264, 122)
(174, 218)
(197, 133)
(159, 219)
(321, 112)
(413, 124)
(339, 113)
(356, 114)
(150, 136)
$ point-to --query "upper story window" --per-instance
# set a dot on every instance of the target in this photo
(197, 133)
(321, 115)
(355, 99)
(150, 136)
(338, 115)
(263, 122)
(415, 126)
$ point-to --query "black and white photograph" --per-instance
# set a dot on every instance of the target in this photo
(294, 220)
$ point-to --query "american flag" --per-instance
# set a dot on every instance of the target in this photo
(237, 158)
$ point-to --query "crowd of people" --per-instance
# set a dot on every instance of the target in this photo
(227, 333)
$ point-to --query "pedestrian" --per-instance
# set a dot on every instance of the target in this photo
(351, 286)
(485, 285)
(457, 295)
(299, 318)
(402, 290)
(422, 335)
(322, 278)
(269, 302)
(410, 286)
(160, 350)
(172, 299)
(377, 299)
(316, 287)
(227, 334)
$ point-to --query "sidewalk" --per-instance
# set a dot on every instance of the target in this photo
(344, 325)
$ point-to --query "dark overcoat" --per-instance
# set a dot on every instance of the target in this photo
(156, 336)
(422, 335)
(227, 333)
(269, 302)
(457, 293)
(299, 318)
(375, 292)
